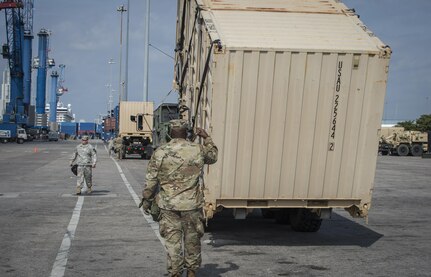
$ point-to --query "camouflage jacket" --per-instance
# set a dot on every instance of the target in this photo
(84, 155)
(174, 171)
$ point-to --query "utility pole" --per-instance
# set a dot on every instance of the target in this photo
(126, 80)
(146, 46)
(121, 9)
(110, 92)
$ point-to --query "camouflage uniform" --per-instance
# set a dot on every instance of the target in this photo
(118, 144)
(85, 157)
(174, 169)
(110, 146)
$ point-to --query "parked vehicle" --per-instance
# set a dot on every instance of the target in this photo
(10, 132)
(135, 128)
(53, 136)
(396, 141)
(162, 115)
(292, 95)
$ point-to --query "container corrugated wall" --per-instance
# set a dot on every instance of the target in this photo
(134, 108)
(296, 125)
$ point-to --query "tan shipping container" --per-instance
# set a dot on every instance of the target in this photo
(129, 128)
(293, 97)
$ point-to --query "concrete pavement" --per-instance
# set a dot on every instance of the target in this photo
(112, 238)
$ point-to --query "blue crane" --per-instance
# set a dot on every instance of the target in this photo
(27, 16)
(12, 51)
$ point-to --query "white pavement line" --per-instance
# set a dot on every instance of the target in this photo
(154, 225)
(61, 260)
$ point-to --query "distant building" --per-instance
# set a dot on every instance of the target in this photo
(5, 92)
(64, 113)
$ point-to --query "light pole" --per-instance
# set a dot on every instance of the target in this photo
(146, 46)
(121, 9)
(126, 79)
(110, 92)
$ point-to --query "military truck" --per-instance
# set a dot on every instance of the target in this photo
(134, 130)
(162, 115)
(292, 94)
(399, 142)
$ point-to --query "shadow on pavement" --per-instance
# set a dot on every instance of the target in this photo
(256, 230)
(214, 270)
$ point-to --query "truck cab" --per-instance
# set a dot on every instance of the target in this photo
(21, 135)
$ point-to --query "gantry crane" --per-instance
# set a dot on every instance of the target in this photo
(27, 16)
(12, 51)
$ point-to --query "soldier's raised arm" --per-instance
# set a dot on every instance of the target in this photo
(209, 148)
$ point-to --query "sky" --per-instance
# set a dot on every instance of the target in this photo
(86, 35)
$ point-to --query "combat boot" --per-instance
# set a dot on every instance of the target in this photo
(89, 190)
(191, 273)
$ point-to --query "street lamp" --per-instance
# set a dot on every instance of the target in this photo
(110, 90)
(126, 79)
(146, 50)
(121, 9)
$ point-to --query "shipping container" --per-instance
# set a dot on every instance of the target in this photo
(68, 128)
(87, 128)
(292, 93)
(109, 124)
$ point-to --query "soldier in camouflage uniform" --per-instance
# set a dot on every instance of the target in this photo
(118, 145)
(174, 171)
(85, 157)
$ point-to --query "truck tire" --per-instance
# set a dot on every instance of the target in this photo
(417, 150)
(303, 220)
(282, 216)
(4, 141)
(267, 213)
(403, 150)
(20, 141)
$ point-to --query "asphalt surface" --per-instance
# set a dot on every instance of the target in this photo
(40, 221)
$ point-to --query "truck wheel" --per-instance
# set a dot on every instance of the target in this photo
(282, 216)
(4, 141)
(267, 213)
(20, 141)
(417, 150)
(403, 150)
(303, 220)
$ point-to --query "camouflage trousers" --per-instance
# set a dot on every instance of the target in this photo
(84, 173)
(182, 231)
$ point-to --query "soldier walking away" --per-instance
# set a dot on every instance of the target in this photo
(110, 146)
(172, 180)
(85, 157)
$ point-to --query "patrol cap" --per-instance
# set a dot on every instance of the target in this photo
(179, 123)
(84, 138)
